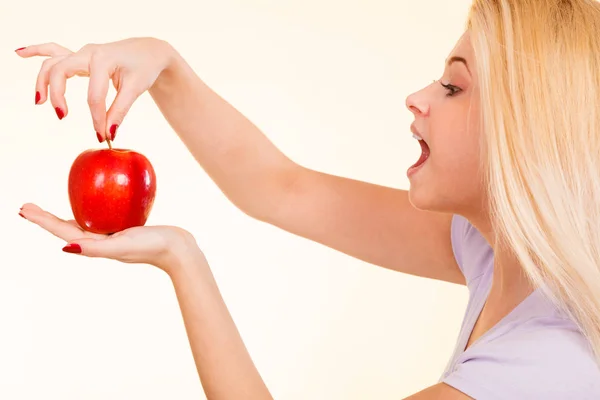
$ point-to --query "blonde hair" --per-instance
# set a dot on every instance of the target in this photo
(538, 63)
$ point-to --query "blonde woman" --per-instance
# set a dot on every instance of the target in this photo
(505, 198)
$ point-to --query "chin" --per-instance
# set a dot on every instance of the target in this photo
(431, 198)
(421, 199)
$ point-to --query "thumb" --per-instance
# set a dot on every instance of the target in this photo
(106, 248)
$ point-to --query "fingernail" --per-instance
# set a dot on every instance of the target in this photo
(113, 131)
(99, 137)
(20, 48)
(21, 214)
(59, 112)
(38, 96)
(72, 248)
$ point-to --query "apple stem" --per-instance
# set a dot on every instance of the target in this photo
(108, 142)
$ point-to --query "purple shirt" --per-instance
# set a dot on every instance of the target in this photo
(535, 352)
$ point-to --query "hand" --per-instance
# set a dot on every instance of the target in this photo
(165, 247)
(133, 65)
(224, 365)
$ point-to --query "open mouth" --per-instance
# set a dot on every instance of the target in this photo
(425, 151)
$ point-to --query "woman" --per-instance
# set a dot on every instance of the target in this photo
(505, 198)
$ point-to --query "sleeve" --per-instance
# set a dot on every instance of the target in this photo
(458, 233)
(471, 251)
(537, 365)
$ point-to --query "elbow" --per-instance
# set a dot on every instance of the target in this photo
(266, 202)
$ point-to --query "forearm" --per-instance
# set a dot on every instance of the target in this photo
(238, 157)
(223, 363)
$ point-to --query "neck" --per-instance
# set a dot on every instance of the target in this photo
(510, 285)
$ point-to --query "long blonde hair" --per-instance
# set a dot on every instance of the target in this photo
(538, 63)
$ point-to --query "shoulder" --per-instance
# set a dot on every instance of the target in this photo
(542, 358)
(472, 252)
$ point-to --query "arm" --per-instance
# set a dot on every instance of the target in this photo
(224, 366)
(373, 223)
(222, 361)
(439, 391)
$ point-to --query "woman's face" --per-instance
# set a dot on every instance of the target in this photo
(447, 118)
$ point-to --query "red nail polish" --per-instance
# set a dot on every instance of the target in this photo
(99, 137)
(113, 131)
(22, 215)
(38, 96)
(72, 248)
(59, 112)
(20, 48)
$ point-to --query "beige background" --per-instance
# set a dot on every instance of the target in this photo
(326, 80)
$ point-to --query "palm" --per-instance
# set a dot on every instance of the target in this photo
(144, 244)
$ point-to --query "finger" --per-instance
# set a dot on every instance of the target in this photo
(126, 96)
(51, 223)
(31, 206)
(74, 223)
(57, 77)
(108, 247)
(43, 50)
(97, 92)
(41, 85)
(90, 234)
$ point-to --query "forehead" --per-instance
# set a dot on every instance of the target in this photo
(463, 48)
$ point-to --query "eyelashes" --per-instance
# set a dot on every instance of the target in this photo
(451, 89)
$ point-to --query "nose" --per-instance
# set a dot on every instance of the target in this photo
(417, 104)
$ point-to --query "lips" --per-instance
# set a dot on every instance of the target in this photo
(416, 133)
(425, 151)
(424, 154)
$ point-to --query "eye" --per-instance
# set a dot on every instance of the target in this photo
(452, 90)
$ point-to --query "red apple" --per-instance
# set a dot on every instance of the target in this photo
(111, 190)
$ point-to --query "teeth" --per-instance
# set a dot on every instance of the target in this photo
(417, 137)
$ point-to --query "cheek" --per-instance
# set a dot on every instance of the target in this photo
(452, 182)
(459, 141)
(456, 161)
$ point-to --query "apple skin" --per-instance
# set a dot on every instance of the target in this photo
(111, 190)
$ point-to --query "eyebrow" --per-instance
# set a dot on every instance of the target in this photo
(454, 59)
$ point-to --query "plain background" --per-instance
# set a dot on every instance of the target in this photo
(326, 80)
